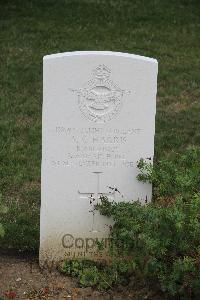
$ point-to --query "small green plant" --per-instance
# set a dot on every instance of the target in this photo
(92, 273)
(89, 276)
(179, 175)
(160, 241)
(74, 267)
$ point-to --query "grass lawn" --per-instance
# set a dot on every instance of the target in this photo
(166, 30)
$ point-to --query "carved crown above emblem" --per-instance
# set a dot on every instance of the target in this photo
(102, 72)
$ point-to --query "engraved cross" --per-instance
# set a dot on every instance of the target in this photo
(94, 197)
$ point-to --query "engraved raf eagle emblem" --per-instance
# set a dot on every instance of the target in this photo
(100, 99)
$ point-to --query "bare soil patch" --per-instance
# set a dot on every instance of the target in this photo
(22, 279)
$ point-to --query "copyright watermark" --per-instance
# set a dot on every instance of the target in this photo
(87, 243)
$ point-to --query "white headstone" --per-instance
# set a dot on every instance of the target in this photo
(98, 121)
